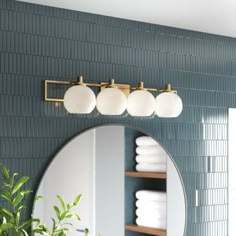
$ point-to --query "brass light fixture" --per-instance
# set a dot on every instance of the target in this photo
(115, 98)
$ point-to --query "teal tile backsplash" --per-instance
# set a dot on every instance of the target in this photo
(38, 43)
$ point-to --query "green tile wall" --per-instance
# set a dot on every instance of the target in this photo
(38, 43)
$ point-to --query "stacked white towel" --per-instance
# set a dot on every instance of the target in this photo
(151, 157)
(151, 209)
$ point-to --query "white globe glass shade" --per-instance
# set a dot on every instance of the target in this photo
(79, 100)
(111, 101)
(141, 103)
(168, 105)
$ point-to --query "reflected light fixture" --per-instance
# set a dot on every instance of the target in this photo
(114, 99)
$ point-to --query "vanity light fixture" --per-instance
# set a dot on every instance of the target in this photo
(79, 98)
(141, 102)
(114, 99)
(111, 100)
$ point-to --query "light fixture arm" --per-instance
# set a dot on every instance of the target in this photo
(114, 98)
(166, 89)
(126, 88)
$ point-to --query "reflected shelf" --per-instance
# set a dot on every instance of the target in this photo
(155, 175)
(146, 230)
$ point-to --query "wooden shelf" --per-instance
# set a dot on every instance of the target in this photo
(155, 175)
(146, 230)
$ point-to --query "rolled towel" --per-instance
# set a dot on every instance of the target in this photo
(160, 158)
(153, 223)
(150, 195)
(155, 214)
(150, 150)
(151, 167)
(155, 205)
(145, 141)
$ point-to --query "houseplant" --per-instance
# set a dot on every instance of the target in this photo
(13, 194)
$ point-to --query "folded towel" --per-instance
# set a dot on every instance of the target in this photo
(153, 214)
(151, 167)
(161, 158)
(151, 195)
(150, 150)
(155, 205)
(145, 141)
(153, 223)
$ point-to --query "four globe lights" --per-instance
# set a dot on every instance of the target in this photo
(115, 99)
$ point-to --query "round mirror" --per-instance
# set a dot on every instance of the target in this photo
(129, 184)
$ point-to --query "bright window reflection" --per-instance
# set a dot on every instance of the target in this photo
(232, 171)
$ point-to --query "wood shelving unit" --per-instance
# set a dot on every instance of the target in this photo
(155, 175)
(146, 230)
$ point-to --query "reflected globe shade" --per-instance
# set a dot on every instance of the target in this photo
(111, 101)
(168, 105)
(141, 103)
(79, 100)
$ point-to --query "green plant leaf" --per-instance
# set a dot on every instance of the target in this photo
(24, 233)
(20, 183)
(62, 233)
(35, 220)
(6, 213)
(69, 215)
(39, 197)
(77, 216)
(54, 225)
(3, 220)
(5, 171)
(6, 226)
(39, 231)
(11, 193)
(61, 200)
(26, 225)
(77, 199)
(18, 199)
(6, 195)
(8, 200)
(12, 180)
(26, 192)
(5, 185)
(58, 213)
(17, 218)
(63, 215)
(20, 208)
(69, 206)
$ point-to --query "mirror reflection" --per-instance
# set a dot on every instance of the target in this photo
(128, 182)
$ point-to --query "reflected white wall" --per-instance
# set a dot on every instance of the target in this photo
(176, 208)
(70, 174)
(109, 179)
(91, 164)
